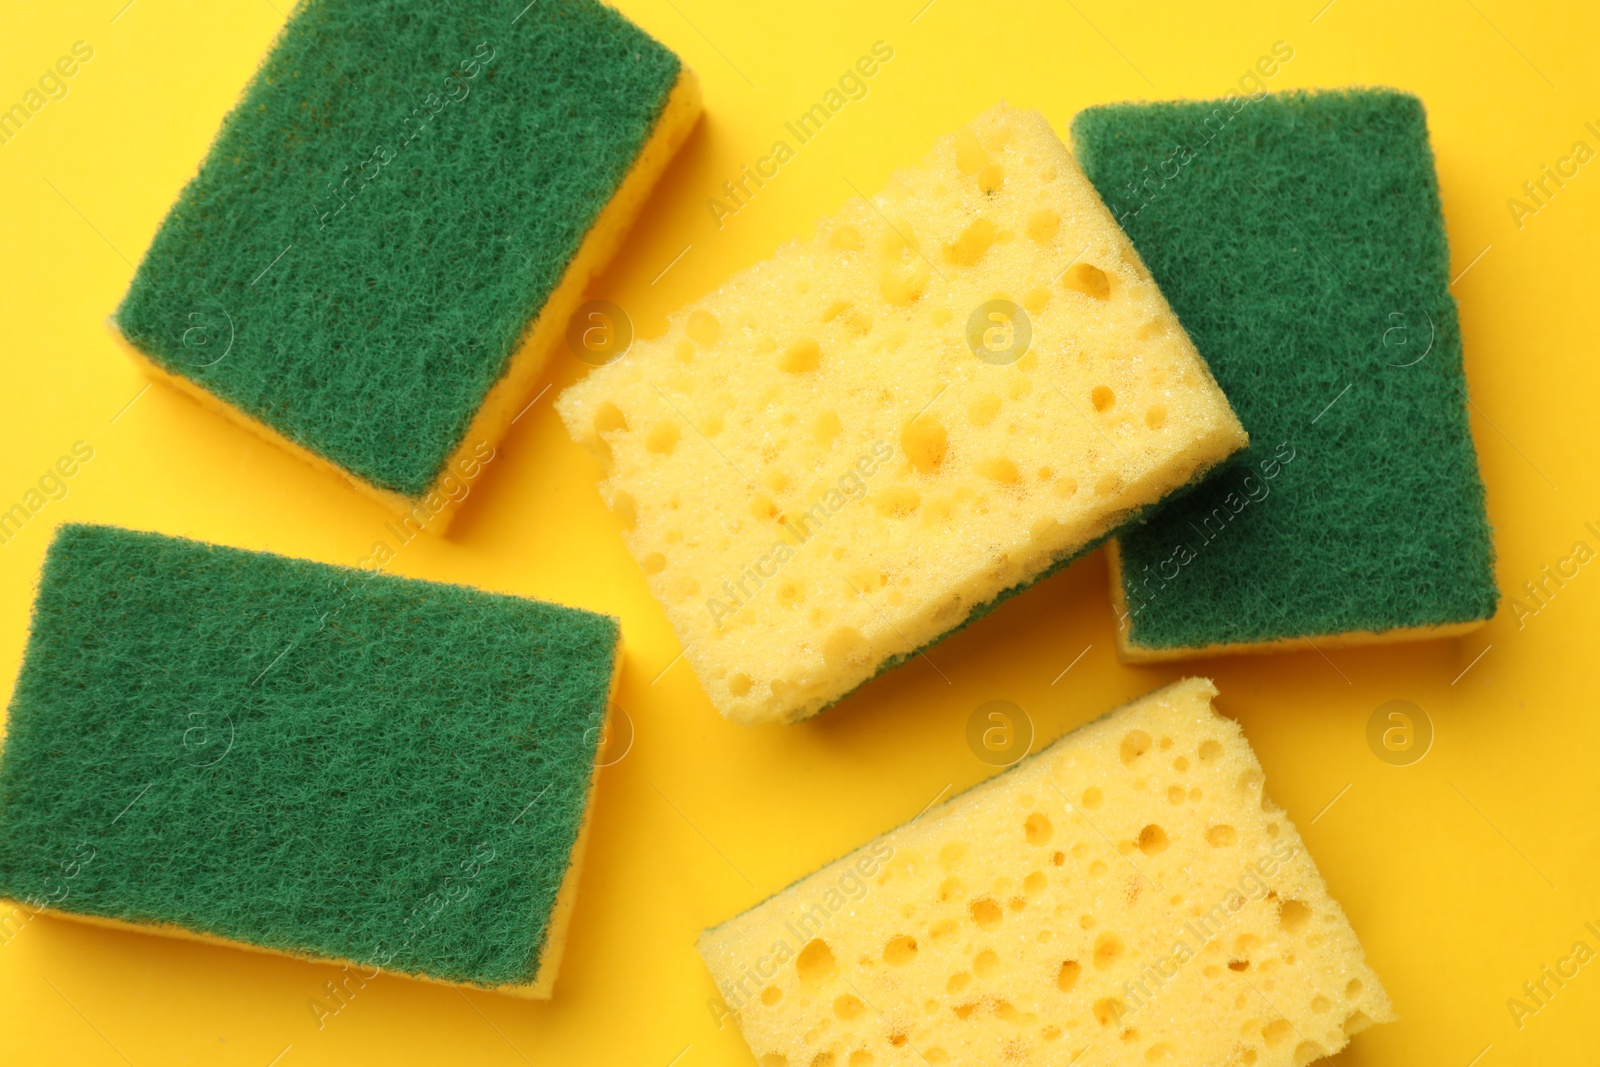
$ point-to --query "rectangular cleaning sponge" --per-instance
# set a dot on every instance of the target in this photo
(865, 442)
(1300, 240)
(395, 223)
(306, 759)
(1126, 896)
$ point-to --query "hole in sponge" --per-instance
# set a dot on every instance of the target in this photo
(771, 995)
(1277, 1032)
(1357, 1022)
(815, 964)
(1089, 280)
(985, 912)
(826, 428)
(1102, 397)
(1067, 977)
(1307, 1052)
(985, 963)
(1108, 949)
(1293, 916)
(1001, 470)
(896, 501)
(970, 155)
(1136, 744)
(900, 950)
(1038, 829)
(1152, 839)
(1043, 224)
(802, 356)
(609, 417)
(1221, 835)
(974, 241)
(1210, 750)
(925, 442)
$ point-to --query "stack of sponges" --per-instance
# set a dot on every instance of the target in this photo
(302, 758)
(859, 445)
(1300, 240)
(1126, 896)
(395, 223)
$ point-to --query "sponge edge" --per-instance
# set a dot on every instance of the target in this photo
(436, 507)
(1128, 890)
(820, 473)
(1130, 651)
(331, 774)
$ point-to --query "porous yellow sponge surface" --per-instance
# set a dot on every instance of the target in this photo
(847, 450)
(1126, 896)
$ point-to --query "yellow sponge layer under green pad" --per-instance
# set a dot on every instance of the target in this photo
(1127, 896)
(1301, 242)
(395, 223)
(855, 447)
(304, 759)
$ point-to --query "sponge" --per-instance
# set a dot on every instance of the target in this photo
(395, 223)
(1126, 896)
(305, 759)
(861, 444)
(1301, 242)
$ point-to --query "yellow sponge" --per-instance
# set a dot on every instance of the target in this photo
(855, 447)
(1126, 896)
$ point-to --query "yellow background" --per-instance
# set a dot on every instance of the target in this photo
(1464, 874)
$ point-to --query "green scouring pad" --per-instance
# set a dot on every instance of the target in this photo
(396, 222)
(300, 758)
(1300, 240)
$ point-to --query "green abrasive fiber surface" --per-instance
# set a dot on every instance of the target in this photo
(1300, 240)
(308, 758)
(390, 203)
